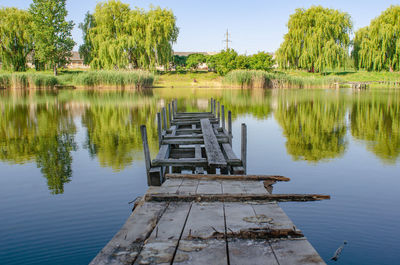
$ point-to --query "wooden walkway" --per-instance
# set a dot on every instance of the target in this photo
(207, 212)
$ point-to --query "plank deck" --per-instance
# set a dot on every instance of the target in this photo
(208, 218)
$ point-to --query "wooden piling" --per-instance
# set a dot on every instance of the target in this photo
(146, 150)
(173, 109)
(243, 148)
(230, 126)
(164, 112)
(169, 114)
(212, 104)
(223, 116)
(219, 113)
(176, 106)
(159, 129)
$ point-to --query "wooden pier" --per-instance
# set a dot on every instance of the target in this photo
(201, 207)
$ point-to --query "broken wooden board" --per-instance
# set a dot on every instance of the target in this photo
(213, 150)
(229, 177)
(125, 246)
(167, 197)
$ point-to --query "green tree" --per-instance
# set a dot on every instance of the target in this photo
(179, 61)
(124, 38)
(52, 33)
(194, 60)
(224, 61)
(317, 38)
(15, 38)
(242, 62)
(377, 47)
(261, 61)
(85, 50)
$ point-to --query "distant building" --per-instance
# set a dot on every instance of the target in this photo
(75, 61)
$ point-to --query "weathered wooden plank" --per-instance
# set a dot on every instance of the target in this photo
(192, 136)
(163, 152)
(169, 186)
(237, 170)
(230, 155)
(181, 123)
(207, 197)
(250, 252)
(198, 154)
(160, 246)
(232, 187)
(213, 151)
(192, 252)
(188, 186)
(204, 221)
(209, 187)
(243, 147)
(278, 218)
(295, 251)
(254, 187)
(193, 113)
(126, 244)
(192, 141)
(231, 177)
(182, 162)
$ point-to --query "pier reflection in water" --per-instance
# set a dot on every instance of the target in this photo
(55, 130)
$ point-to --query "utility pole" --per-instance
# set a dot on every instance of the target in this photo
(227, 40)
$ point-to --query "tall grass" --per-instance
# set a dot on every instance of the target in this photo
(120, 79)
(263, 79)
(27, 80)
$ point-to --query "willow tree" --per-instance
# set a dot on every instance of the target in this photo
(15, 38)
(125, 38)
(317, 38)
(377, 47)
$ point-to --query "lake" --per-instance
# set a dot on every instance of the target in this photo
(71, 161)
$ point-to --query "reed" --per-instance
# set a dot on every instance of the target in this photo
(263, 79)
(27, 80)
(114, 79)
(120, 79)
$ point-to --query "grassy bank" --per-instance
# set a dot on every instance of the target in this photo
(85, 79)
(263, 79)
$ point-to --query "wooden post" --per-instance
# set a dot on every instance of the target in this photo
(219, 113)
(244, 146)
(212, 104)
(164, 112)
(173, 109)
(223, 116)
(169, 114)
(230, 126)
(176, 106)
(214, 107)
(146, 150)
(159, 129)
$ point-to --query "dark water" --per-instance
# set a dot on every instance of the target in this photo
(70, 161)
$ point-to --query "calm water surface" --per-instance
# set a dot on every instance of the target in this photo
(71, 161)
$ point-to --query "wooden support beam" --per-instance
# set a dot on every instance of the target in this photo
(164, 113)
(219, 112)
(235, 197)
(229, 177)
(220, 139)
(181, 162)
(146, 150)
(230, 126)
(197, 155)
(213, 151)
(173, 109)
(169, 114)
(243, 148)
(223, 117)
(159, 129)
(211, 103)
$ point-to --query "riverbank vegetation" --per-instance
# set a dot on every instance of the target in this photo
(88, 79)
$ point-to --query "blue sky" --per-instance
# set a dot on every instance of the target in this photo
(254, 25)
